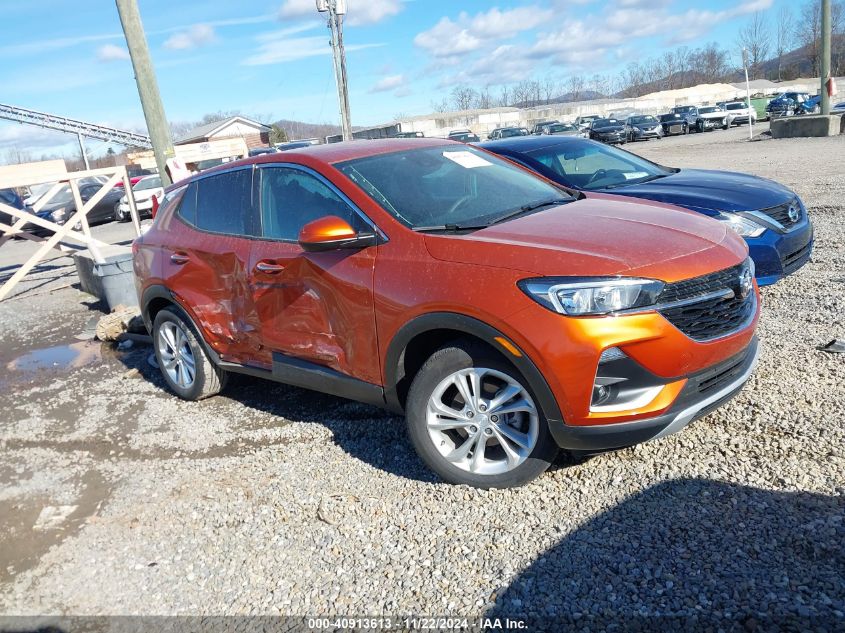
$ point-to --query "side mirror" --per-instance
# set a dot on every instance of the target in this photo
(331, 233)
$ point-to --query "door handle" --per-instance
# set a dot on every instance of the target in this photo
(179, 258)
(269, 267)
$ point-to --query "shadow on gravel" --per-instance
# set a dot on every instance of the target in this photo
(692, 554)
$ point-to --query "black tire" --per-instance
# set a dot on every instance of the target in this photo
(208, 379)
(444, 362)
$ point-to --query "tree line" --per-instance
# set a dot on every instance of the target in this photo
(781, 45)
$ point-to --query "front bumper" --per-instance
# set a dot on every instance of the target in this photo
(777, 255)
(674, 128)
(703, 392)
(644, 134)
(712, 124)
(611, 137)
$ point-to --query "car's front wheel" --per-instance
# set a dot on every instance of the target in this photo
(119, 214)
(473, 420)
(183, 362)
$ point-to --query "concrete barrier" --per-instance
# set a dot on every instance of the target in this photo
(814, 125)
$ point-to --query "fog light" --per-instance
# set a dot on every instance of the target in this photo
(601, 394)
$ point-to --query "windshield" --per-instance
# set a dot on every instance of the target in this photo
(708, 109)
(642, 120)
(605, 122)
(735, 106)
(683, 109)
(64, 196)
(511, 131)
(669, 117)
(562, 127)
(591, 166)
(438, 186)
(151, 183)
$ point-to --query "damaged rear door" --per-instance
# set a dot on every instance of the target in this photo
(208, 260)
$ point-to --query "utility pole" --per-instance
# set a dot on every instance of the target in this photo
(824, 64)
(145, 77)
(336, 10)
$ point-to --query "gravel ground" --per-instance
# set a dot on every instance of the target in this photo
(116, 498)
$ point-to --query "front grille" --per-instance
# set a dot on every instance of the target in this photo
(709, 318)
(698, 286)
(793, 259)
(780, 213)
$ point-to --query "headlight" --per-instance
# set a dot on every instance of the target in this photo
(58, 215)
(744, 227)
(591, 296)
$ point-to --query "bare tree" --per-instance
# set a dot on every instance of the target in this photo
(755, 38)
(808, 28)
(504, 99)
(783, 35)
(524, 93)
(575, 87)
(485, 99)
(550, 89)
(440, 106)
(462, 98)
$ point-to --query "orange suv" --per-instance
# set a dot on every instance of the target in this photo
(507, 317)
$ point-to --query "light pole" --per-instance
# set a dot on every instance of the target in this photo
(747, 94)
(824, 61)
(336, 10)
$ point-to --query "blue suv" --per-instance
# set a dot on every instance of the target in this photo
(771, 218)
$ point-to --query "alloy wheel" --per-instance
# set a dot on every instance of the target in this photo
(177, 358)
(482, 421)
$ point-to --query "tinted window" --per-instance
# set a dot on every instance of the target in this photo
(291, 198)
(224, 202)
(188, 208)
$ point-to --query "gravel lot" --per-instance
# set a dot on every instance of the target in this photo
(117, 498)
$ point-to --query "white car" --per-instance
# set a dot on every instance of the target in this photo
(740, 112)
(143, 192)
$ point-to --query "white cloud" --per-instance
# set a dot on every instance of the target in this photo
(193, 37)
(358, 12)
(112, 52)
(278, 51)
(470, 33)
(390, 82)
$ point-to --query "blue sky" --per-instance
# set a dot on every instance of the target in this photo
(271, 58)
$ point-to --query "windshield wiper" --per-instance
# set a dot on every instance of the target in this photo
(450, 228)
(625, 183)
(527, 208)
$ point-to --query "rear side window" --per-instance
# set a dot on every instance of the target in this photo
(224, 203)
(188, 208)
(291, 198)
(169, 201)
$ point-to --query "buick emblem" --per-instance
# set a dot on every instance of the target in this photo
(794, 213)
(746, 283)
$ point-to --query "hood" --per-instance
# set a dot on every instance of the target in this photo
(599, 235)
(719, 114)
(711, 190)
(144, 194)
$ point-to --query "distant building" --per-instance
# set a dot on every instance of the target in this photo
(253, 133)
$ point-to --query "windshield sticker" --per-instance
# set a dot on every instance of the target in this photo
(633, 175)
(467, 159)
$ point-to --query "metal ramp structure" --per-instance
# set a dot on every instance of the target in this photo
(82, 129)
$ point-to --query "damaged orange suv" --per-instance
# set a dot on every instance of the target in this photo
(505, 316)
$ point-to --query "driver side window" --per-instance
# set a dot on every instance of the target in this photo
(291, 198)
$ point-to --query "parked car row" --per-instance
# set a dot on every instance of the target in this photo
(531, 294)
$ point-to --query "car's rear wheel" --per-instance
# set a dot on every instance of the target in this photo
(183, 362)
(473, 420)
